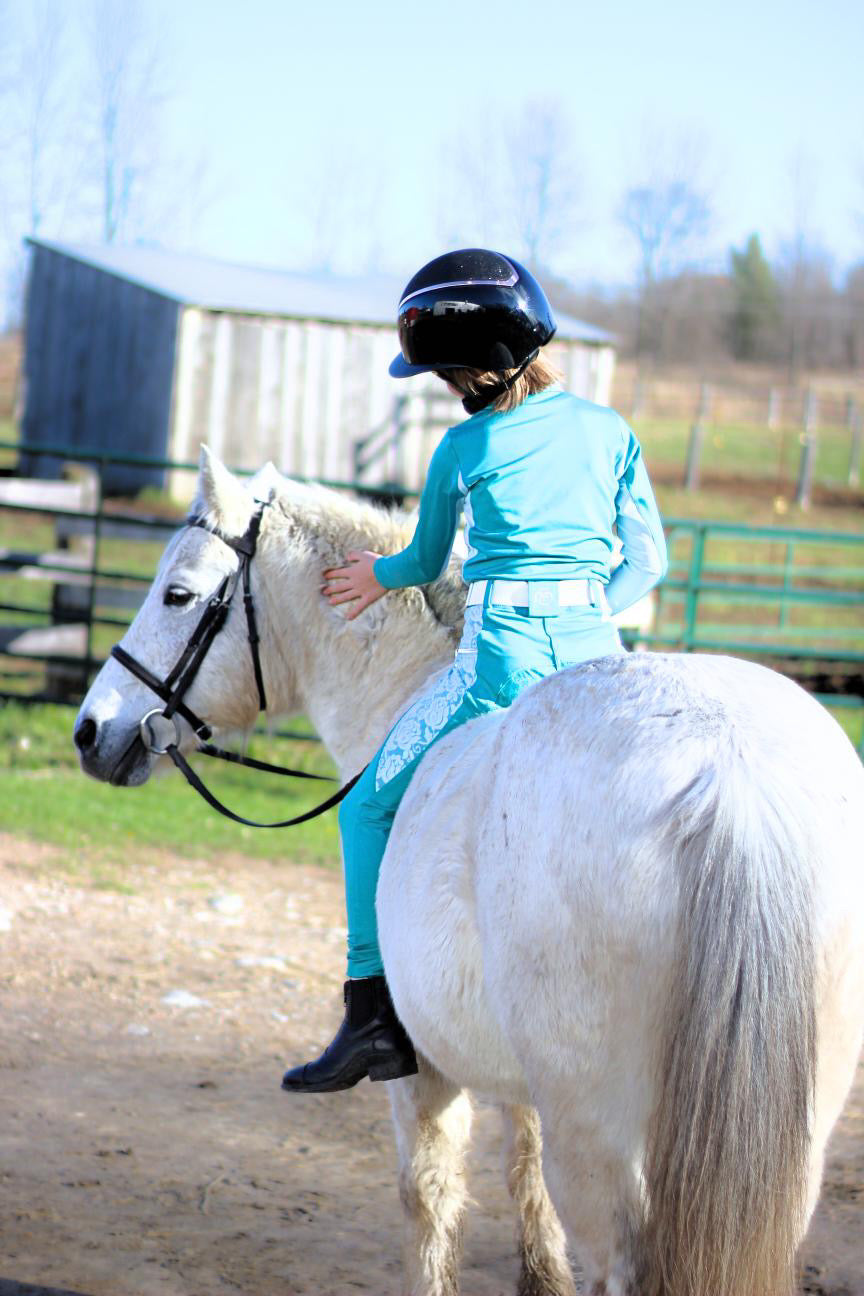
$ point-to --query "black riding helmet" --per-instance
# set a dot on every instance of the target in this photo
(471, 309)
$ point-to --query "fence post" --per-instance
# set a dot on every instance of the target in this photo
(804, 493)
(638, 406)
(380, 440)
(101, 466)
(694, 582)
(71, 603)
(775, 406)
(854, 424)
(697, 437)
(358, 445)
(788, 564)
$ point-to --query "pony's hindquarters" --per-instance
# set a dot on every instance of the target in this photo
(671, 900)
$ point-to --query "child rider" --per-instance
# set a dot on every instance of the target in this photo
(543, 479)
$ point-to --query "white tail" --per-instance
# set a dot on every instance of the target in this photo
(728, 1152)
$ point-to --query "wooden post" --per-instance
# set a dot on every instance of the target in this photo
(73, 604)
(697, 437)
(804, 493)
(638, 405)
(694, 585)
(854, 424)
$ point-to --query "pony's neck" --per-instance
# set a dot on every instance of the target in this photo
(352, 679)
(354, 698)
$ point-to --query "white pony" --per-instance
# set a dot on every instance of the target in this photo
(630, 908)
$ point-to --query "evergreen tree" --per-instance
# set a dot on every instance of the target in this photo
(755, 316)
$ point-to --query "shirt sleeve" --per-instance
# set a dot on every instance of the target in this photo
(440, 505)
(640, 531)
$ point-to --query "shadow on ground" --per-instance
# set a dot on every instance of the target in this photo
(9, 1287)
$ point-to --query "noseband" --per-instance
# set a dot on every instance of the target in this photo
(159, 731)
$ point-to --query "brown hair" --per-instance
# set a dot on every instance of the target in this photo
(539, 375)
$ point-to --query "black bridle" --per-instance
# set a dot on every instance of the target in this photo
(159, 731)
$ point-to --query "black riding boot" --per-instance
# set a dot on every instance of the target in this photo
(371, 1041)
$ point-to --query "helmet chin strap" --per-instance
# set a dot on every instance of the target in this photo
(473, 404)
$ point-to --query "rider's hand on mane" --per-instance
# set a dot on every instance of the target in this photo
(355, 583)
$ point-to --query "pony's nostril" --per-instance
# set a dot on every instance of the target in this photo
(85, 735)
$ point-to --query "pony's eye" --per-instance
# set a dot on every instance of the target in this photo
(177, 596)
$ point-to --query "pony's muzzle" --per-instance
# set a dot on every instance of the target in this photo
(159, 732)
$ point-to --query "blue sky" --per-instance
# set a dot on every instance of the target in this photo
(755, 91)
(351, 132)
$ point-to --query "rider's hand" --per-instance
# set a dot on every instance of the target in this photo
(354, 583)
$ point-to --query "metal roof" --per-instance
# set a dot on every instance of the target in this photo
(257, 290)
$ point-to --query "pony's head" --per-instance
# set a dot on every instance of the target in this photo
(193, 570)
(303, 530)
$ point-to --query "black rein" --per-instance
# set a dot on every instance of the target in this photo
(178, 680)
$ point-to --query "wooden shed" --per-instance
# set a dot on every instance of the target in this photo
(133, 350)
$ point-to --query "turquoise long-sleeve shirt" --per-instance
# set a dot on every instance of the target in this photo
(543, 488)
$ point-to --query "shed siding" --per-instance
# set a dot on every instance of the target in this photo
(269, 389)
(289, 392)
(99, 366)
(185, 379)
(220, 381)
(114, 365)
(304, 392)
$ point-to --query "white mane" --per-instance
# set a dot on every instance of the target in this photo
(328, 524)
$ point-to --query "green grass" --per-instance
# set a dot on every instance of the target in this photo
(747, 451)
(8, 432)
(766, 459)
(851, 720)
(761, 510)
(98, 829)
(44, 796)
(32, 533)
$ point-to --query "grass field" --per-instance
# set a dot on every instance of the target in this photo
(44, 796)
(763, 454)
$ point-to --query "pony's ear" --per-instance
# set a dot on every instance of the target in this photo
(222, 498)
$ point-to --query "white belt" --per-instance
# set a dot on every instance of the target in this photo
(516, 593)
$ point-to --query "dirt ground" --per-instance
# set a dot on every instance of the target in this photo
(145, 1146)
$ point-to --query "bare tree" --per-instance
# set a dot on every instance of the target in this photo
(55, 120)
(40, 148)
(544, 183)
(513, 182)
(854, 314)
(804, 273)
(129, 90)
(666, 213)
(5, 68)
(340, 193)
(664, 218)
(46, 118)
(858, 211)
(470, 173)
(127, 71)
(173, 214)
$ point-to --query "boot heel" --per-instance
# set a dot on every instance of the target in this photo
(370, 1042)
(396, 1069)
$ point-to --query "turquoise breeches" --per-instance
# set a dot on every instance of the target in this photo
(502, 651)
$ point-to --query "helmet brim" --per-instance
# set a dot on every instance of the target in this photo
(400, 368)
